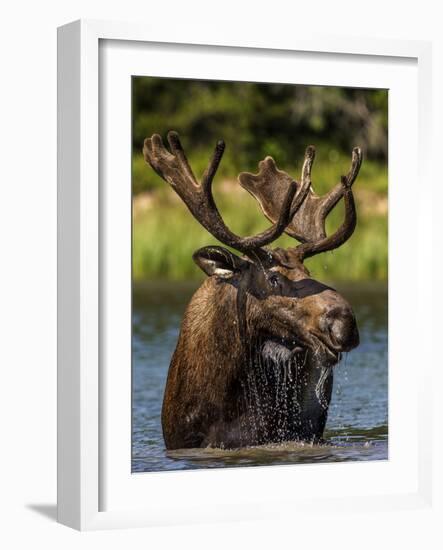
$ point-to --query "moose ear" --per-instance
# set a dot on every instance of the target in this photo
(216, 260)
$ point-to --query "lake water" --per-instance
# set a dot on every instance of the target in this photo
(357, 427)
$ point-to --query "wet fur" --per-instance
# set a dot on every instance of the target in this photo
(225, 389)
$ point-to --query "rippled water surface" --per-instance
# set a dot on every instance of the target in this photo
(357, 427)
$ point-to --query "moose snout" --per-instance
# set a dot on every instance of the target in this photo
(342, 328)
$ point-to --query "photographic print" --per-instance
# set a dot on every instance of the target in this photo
(259, 273)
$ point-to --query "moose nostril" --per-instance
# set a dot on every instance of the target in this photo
(336, 314)
(343, 328)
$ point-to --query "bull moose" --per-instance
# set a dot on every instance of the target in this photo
(254, 359)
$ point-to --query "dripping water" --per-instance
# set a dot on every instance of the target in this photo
(278, 386)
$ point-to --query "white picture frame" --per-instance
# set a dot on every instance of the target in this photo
(94, 490)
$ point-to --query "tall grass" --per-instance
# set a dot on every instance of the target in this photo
(165, 234)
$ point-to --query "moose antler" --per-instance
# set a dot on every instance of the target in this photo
(308, 225)
(174, 168)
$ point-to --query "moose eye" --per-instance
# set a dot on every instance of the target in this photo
(273, 281)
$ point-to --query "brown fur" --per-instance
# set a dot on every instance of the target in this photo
(206, 401)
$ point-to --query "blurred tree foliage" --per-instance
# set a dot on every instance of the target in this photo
(256, 120)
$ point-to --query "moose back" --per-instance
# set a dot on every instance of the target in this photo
(259, 339)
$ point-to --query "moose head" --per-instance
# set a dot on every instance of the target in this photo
(258, 341)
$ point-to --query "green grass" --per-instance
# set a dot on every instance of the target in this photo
(165, 235)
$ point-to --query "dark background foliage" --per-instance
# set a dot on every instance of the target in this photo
(261, 119)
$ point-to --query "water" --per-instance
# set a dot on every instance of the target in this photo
(357, 427)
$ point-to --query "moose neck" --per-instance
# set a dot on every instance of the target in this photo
(210, 329)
